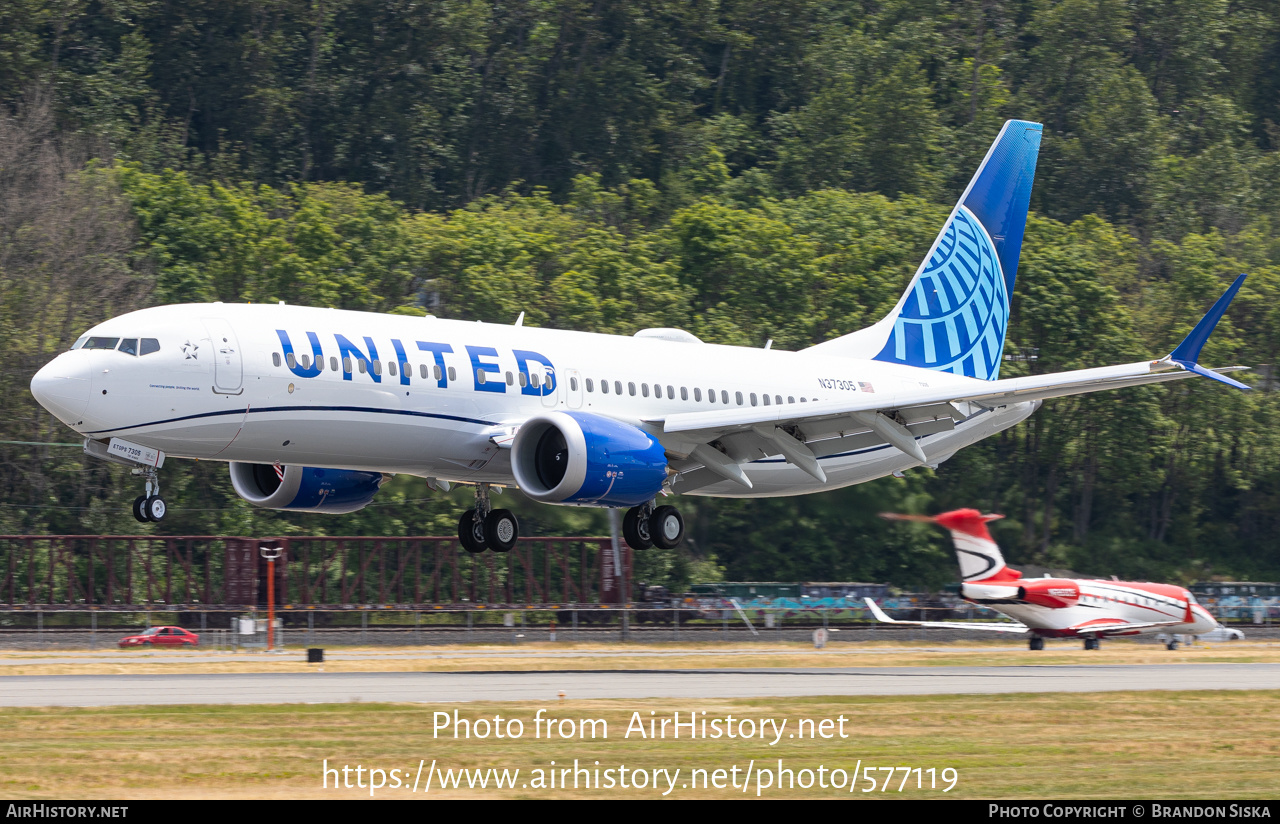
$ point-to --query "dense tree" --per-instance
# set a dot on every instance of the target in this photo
(747, 170)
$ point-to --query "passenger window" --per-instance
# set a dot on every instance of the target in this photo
(364, 366)
(802, 400)
(765, 398)
(306, 361)
(101, 343)
(346, 365)
(391, 367)
(291, 360)
(453, 374)
(333, 364)
(275, 358)
(511, 379)
(617, 387)
(604, 387)
(753, 398)
(777, 399)
(790, 399)
(437, 373)
(644, 390)
(149, 345)
(631, 388)
(591, 387)
(724, 396)
(711, 396)
(480, 376)
(671, 392)
(533, 379)
(738, 397)
(573, 384)
(524, 380)
(320, 364)
(377, 367)
(697, 394)
(684, 393)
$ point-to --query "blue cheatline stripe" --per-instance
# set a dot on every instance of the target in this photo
(363, 409)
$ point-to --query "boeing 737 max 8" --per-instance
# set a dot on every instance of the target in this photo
(313, 408)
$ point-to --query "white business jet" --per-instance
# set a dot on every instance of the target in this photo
(1088, 609)
(314, 408)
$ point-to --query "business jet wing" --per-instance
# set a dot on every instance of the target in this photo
(1003, 626)
(1104, 627)
(803, 433)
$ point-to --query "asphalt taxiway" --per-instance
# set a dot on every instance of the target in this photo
(452, 687)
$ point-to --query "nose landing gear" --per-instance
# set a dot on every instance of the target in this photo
(149, 507)
(484, 528)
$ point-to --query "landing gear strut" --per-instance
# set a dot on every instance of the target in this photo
(484, 528)
(647, 526)
(149, 507)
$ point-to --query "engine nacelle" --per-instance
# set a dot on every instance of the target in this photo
(305, 488)
(1001, 593)
(1050, 592)
(581, 458)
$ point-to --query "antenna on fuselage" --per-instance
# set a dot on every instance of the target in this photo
(520, 320)
(768, 344)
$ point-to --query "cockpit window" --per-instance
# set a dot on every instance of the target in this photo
(129, 346)
(149, 345)
(101, 343)
(79, 342)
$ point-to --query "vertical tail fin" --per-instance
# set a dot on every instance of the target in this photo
(955, 311)
(977, 551)
(979, 556)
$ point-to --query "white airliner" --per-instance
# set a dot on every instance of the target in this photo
(1056, 607)
(313, 408)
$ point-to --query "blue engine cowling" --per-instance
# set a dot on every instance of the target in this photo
(305, 488)
(586, 459)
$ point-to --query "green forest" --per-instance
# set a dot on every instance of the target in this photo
(744, 169)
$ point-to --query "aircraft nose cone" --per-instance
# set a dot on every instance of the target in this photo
(62, 387)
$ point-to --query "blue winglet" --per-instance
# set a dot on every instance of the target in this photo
(1187, 353)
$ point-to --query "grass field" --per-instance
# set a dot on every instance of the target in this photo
(633, 656)
(1118, 745)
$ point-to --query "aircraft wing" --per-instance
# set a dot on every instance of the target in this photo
(1111, 629)
(1003, 626)
(803, 433)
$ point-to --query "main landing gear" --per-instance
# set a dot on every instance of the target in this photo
(150, 507)
(1037, 643)
(484, 528)
(648, 526)
(1093, 643)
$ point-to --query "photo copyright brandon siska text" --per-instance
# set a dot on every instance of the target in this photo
(749, 775)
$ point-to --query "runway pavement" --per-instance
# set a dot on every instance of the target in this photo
(451, 687)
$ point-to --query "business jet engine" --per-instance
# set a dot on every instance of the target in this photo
(581, 458)
(305, 488)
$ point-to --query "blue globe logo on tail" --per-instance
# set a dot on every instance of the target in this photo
(955, 315)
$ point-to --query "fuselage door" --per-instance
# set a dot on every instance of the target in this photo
(228, 367)
(552, 392)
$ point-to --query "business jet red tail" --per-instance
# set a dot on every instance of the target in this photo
(979, 556)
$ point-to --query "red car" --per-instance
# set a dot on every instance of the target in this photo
(162, 637)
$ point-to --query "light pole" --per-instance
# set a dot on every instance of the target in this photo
(271, 553)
